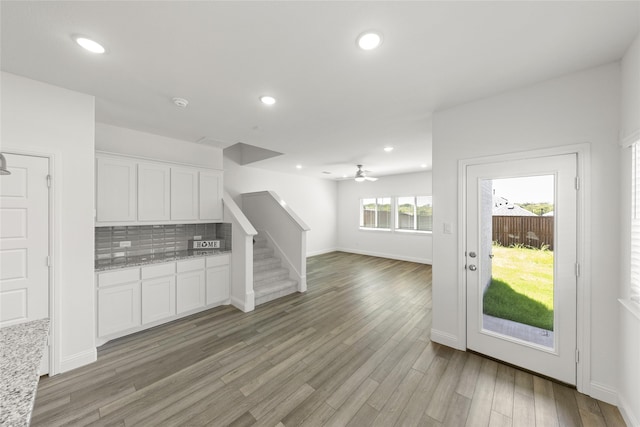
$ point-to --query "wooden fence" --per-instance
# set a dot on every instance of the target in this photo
(533, 231)
(405, 221)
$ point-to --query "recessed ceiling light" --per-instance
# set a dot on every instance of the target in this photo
(268, 100)
(423, 165)
(369, 40)
(388, 149)
(90, 45)
(298, 166)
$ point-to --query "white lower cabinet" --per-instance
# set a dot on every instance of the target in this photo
(158, 299)
(133, 299)
(190, 291)
(118, 308)
(217, 285)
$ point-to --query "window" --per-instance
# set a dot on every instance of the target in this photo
(375, 212)
(414, 213)
(635, 223)
(409, 213)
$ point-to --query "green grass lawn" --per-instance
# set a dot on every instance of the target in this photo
(521, 288)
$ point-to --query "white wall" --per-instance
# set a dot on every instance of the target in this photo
(41, 118)
(313, 200)
(577, 108)
(629, 354)
(130, 142)
(630, 113)
(414, 247)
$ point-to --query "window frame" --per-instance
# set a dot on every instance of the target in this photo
(634, 255)
(415, 228)
(377, 199)
(393, 215)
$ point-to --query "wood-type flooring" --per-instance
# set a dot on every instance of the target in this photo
(354, 350)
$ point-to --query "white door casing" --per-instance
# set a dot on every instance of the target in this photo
(559, 361)
(24, 242)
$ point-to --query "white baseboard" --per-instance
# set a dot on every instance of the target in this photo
(302, 284)
(625, 409)
(247, 305)
(447, 339)
(78, 360)
(386, 255)
(321, 252)
(604, 393)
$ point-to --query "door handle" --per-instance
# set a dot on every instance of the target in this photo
(472, 267)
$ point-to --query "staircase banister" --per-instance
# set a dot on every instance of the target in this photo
(272, 195)
(238, 215)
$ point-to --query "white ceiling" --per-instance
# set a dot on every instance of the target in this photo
(337, 105)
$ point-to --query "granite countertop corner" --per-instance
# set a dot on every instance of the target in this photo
(21, 350)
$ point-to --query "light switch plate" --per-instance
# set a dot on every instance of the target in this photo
(446, 228)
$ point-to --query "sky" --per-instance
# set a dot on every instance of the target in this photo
(535, 189)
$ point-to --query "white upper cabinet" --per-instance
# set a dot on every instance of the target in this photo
(184, 194)
(116, 189)
(131, 191)
(153, 192)
(211, 195)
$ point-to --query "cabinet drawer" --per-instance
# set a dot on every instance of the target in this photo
(190, 265)
(159, 270)
(214, 261)
(118, 277)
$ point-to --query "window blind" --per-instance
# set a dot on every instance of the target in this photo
(635, 224)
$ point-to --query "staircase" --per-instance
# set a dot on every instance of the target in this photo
(270, 279)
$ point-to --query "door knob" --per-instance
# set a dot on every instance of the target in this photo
(472, 267)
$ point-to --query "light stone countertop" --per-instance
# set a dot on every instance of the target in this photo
(21, 348)
(136, 261)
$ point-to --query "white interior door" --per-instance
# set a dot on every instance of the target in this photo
(24, 242)
(521, 340)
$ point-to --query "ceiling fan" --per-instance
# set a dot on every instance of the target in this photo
(361, 175)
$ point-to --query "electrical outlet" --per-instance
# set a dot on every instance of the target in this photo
(125, 244)
(197, 237)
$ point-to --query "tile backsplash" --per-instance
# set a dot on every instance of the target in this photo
(153, 239)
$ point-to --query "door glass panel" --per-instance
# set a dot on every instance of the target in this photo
(517, 265)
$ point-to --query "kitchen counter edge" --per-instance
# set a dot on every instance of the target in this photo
(150, 259)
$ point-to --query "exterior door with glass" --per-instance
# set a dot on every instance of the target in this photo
(521, 263)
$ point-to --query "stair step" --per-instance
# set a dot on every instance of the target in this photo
(269, 276)
(279, 289)
(262, 253)
(265, 264)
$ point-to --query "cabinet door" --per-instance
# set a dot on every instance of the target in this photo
(158, 299)
(190, 289)
(184, 194)
(153, 192)
(217, 285)
(115, 190)
(211, 195)
(118, 308)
